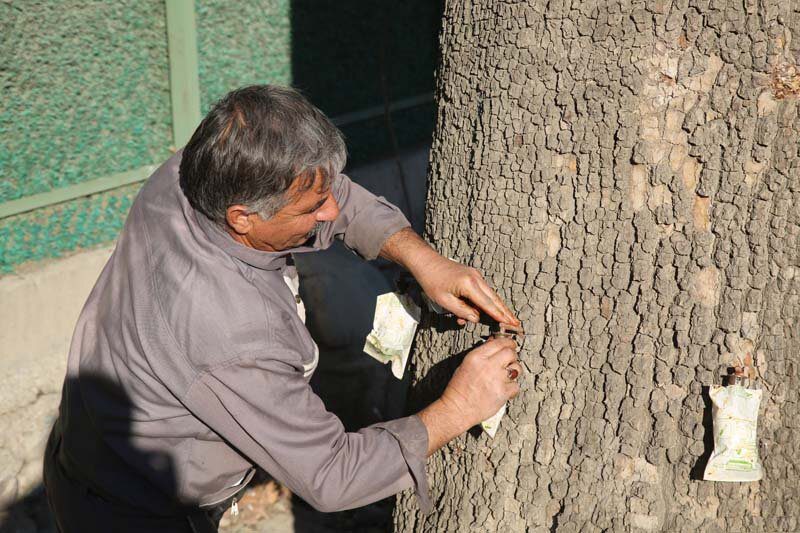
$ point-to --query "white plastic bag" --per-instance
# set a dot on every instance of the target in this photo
(393, 329)
(491, 424)
(735, 413)
(396, 319)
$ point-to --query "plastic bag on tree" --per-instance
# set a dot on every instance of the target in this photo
(735, 414)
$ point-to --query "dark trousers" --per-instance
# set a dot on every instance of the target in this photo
(77, 508)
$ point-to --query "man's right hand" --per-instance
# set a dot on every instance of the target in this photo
(478, 389)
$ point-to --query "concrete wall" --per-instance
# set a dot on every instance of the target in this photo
(38, 311)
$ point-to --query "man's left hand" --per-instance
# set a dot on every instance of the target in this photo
(463, 291)
(457, 288)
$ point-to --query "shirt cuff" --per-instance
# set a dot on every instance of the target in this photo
(369, 230)
(412, 435)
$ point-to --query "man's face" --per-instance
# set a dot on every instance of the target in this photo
(295, 223)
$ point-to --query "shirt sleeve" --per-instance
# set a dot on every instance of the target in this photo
(266, 409)
(365, 221)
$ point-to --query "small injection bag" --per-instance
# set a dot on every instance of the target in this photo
(735, 413)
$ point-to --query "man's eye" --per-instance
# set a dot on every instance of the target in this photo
(315, 208)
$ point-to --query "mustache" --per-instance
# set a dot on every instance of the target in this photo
(315, 229)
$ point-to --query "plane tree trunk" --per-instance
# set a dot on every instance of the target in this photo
(627, 174)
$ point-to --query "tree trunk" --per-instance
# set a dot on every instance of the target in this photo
(626, 173)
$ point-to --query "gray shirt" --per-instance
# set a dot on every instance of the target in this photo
(189, 365)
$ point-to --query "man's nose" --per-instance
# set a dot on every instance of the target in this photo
(329, 210)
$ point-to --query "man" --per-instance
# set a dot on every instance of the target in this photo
(190, 361)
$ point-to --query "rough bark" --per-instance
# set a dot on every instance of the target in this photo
(627, 174)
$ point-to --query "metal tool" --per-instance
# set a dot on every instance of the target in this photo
(507, 331)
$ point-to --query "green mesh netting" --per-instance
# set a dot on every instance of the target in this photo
(56, 230)
(85, 92)
(85, 95)
(241, 43)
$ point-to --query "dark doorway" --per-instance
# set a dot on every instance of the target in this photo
(370, 65)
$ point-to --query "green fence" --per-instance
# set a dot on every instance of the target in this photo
(96, 94)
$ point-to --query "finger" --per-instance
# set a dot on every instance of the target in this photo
(472, 291)
(461, 321)
(494, 345)
(513, 371)
(479, 293)
(460, 308)
(502, 343)
(505, 356)
(495, 302)
(512, 390)
(508, 316)
(511, 328)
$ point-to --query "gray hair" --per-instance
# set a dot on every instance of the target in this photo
(250, 148)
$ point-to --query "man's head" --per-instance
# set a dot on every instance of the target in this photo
(261, 165)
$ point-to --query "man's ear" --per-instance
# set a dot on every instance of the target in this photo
(238, 219)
